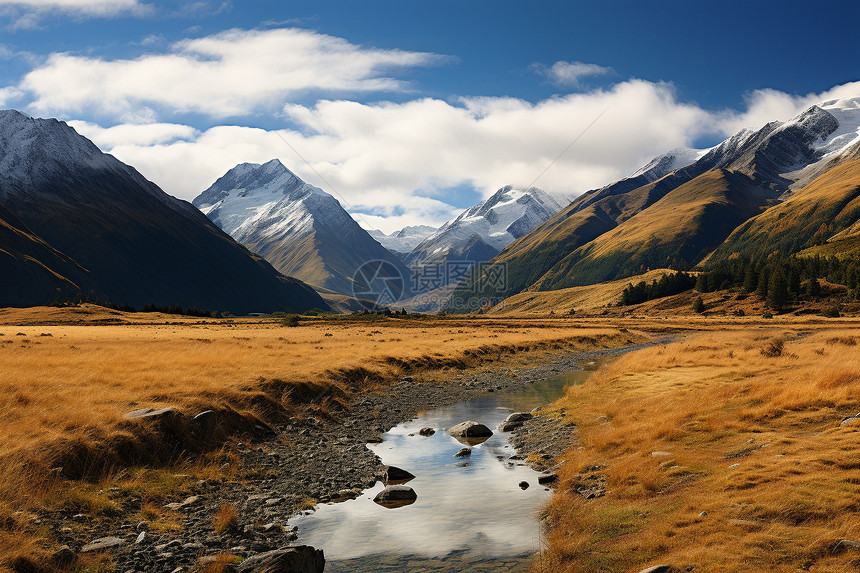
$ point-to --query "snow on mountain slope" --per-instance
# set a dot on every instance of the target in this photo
(846, 111)
(302, 230)
(404, 240)
(38, 150)
(664, 164)
(488, 227)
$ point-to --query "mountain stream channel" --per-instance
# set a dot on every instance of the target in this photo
(473, 513)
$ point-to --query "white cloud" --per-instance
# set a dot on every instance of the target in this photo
(8, 95)
(399, 160)
(26, 14)
(570, 74)
(133, 134)
(227, 74)
(768, 105)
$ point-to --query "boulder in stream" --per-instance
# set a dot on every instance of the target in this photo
(394, 496)
(395, 476)
(470, 433)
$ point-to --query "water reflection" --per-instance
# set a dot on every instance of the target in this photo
(475, 506)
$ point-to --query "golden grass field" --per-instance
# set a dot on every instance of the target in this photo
(721, 452)
(68, 376)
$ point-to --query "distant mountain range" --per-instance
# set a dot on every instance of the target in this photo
(482, 231)
(300, 229)
(76, 222)
(783, 188)
(403, 241)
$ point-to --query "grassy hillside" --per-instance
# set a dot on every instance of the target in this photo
(562, 301)
(677, 232)
(813, 214)
(720, 453)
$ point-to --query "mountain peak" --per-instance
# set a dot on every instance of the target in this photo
(507, 215)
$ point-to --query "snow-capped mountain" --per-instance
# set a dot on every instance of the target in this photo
(131, 242)
(483, 230)
(302, 230)
(403, 241)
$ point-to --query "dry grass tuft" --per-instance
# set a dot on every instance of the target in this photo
(227, 519)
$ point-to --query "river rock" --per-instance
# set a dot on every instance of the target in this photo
(514, 421)
(524, 485)
(470, 433)
(396, 496)
(395, 475)
(64, 557)
(205, 424)
(463, 453)
(149, 413)
(102, 543)
(657, 569)
(548, 479)
(299, 559)
(845, 544)
(426, 432)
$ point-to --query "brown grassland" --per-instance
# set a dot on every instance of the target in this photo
(68, 376)
(721, 452)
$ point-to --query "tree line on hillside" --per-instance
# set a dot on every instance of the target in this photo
(778, 279)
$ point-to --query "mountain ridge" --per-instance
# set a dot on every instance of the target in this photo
(139, 244)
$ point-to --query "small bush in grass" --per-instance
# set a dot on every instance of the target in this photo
(227, 518)
(291, 321)
(830, 312)
(773, 348)
(767, 315)
(698, 305)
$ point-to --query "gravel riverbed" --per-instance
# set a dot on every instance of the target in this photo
(316, 461)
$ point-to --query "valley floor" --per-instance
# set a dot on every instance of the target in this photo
(721, 449)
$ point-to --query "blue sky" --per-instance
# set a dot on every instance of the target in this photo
(408, 111)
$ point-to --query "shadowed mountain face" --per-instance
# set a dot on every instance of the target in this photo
(657, 218)
(35, 273)
(138, 244)
(301, 230)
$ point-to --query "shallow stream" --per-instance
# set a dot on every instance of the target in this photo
(471, 515)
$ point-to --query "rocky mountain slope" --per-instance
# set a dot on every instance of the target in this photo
(119, 235)
(301, 230)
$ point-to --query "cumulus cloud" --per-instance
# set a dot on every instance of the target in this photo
(231, 73)
(570, 74)
(768, 105)
(395, 164)
(133, 134)
(28, 13)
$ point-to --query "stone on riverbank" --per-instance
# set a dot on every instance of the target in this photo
(299, 559)
(514, 421)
